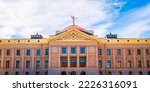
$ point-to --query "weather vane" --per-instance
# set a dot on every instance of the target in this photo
(73, 19)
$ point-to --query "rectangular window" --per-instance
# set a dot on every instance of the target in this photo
(118, 51)
(28, 64)
(148, 64)
(100, 63)
(17, 63)
(100, 52)
(119, 63)
(46, 51)
(147, 52)
(82, 63)
(7, 64)
(18, 52)
(8, 52)
(82, 50)
(129, 51)
(64, 63)
(138, 52)
(63, 50)
(73, 50)
(73, 63)
(129, 64)
(28, 52)
(108, 64)
(108, 52)
(38, 52)
(0, 52)
(46, 63)
(38, 64)
(0, 63)
(139, 64)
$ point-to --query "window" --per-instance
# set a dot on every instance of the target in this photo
(82, 50)
(139, 64)
(64, 63)
(129, 64)
(18, 52)
(129, 51)
(138, 52)
(28, 52)
(119, 63)
(108, 65)
(7, 64)
(100, 63)
(46, 51)
(100, 52)
(17, 63)
(129, 73)
(28, 64)
(108, 52)
(118, 52)
(38, 52)
(146, 51)
(73, 50)
(82, 63)
(46, 63)
(63, 50)
(8, 52)
(38, 64)
(0, 64)
(74, 63)
(0, 52)
(148, 64)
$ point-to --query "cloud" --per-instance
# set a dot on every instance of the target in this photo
(21, 18)
(133, 23)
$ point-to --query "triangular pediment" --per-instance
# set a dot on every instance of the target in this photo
(73, 35)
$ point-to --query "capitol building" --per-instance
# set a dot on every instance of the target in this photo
(75, 51)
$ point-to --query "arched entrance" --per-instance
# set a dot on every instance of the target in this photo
(83, 73)
(73, 73)
(63, 73)
(130, 73)
(17, 73)
(37, 73)
(140, 73)
(109, 73)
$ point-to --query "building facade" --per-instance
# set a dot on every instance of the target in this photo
(75, 51)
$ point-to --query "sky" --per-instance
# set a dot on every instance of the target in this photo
(127, 18)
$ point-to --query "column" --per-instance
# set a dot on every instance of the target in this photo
(144, 59)
(2, 62)
(78, 54)
(68, 55)
(23, 60)
(124, 59)
(87, 56)
(33, 60)
(114, 58)
(134, 59)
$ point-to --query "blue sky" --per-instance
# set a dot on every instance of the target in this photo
(127, 18)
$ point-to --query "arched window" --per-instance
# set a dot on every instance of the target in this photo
(83, 73)
(73, 73)
(140, 73)
(46, 73)
(148, 72)
(129, 73)
(6, 73)
(16, 73)
(28, 64)
(100, 73)
(7, 64)
(37, 73)
(109, 73)
(27, 73)
(63, 73)
(17, 63)
(38, 64)
(119, 73)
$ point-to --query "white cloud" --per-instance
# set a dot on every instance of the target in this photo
(21, 18)
(133, 23)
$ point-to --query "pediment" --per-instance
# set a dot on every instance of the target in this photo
(73, 35)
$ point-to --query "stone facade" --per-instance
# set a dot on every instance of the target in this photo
(89, 55)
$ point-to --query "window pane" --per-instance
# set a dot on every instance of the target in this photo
(38, 64)
(100, 51)
(73, 50)
(82, 50)
(108, 65)
(100, 64)
(18, 52)
(46, 51)
(28, 52)
(46, 63)
(38, 53)
(108, 52)
(28, 64)
(64, 50)
(118, 52)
